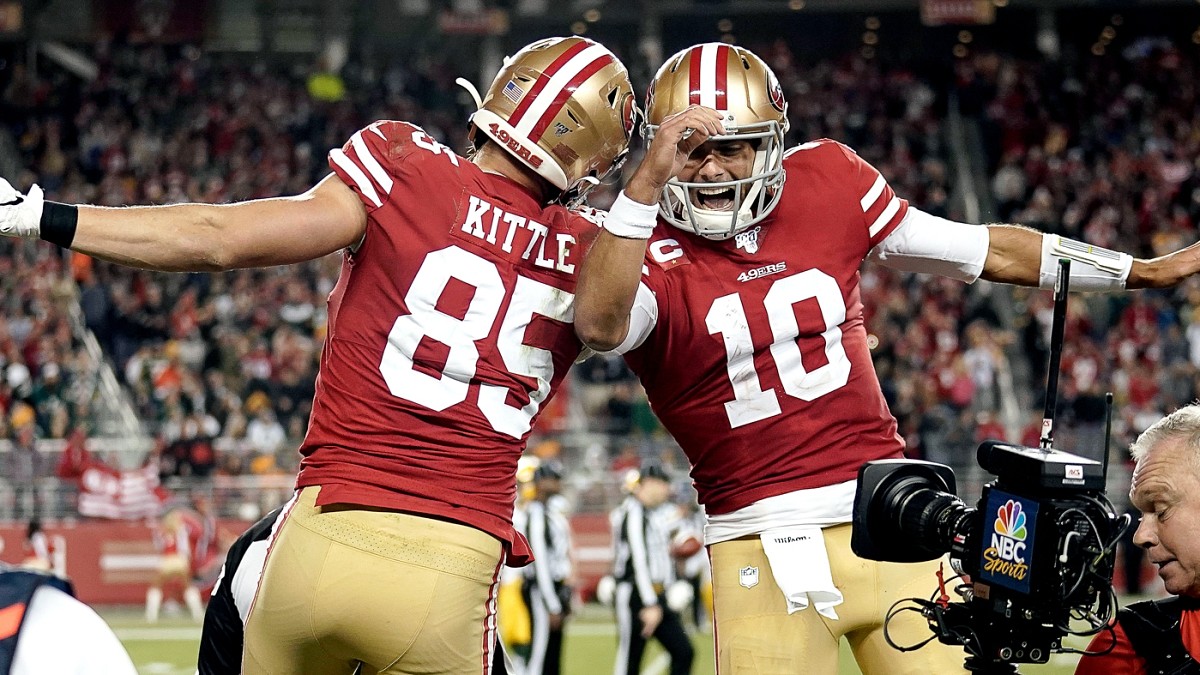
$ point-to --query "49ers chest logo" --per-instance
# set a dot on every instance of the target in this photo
(514, 145)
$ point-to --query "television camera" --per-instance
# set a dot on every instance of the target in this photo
(1038, 548)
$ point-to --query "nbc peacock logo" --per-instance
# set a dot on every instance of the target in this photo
(1006, 555)
(1010, 521)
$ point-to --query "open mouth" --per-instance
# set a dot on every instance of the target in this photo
(713, 199)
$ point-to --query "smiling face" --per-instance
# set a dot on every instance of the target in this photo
(739, 85)
(718, 162)
(1166, 489)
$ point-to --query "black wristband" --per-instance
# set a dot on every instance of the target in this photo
(58, 223)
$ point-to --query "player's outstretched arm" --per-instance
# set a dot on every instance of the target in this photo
(195, 237)
(1018, 255)
(608, 279)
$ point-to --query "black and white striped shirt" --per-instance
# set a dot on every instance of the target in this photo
(641, 549)
(549, 535)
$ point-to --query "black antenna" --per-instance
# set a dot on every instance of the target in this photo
(1056, 339)
(1108, 399)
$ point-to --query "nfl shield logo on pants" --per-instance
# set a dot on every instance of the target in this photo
(748, 577)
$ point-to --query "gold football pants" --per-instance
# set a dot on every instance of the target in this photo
(398, 592)
(756, 636)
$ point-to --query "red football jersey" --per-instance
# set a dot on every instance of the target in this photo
(449, 328)
(758, 364)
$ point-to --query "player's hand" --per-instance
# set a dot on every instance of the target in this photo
(651, 617)
(670, 148)
(20, 214)
(1165, 271)
(556, 621)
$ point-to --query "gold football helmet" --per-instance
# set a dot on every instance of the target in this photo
(735, 82)
(562, 106)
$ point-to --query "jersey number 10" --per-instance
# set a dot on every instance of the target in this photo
(727, 317)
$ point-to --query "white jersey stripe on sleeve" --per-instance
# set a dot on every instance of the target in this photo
(708, 75)
(556, 84)
(360, 179)
(382, 179)
(885, 217)
(873, 194)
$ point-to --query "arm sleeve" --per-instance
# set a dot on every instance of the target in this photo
(931, 245)
(882, 210)
(643, 316)
(1122, 660)
(360, 163)
(54, 616)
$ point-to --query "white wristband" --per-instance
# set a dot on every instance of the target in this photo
(1092, 268)
(630, 219)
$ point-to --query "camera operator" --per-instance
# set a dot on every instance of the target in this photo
(1161, 636)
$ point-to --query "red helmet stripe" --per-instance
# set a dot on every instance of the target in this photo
(564, 95)
(722, 79)
(544, 78)
(694, 76)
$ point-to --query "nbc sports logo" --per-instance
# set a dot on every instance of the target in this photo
(1010, 521)
(1006, 557)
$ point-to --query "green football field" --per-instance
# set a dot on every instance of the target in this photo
(169, 647)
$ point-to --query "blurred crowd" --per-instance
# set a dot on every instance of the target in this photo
(1103, 146)
(221, 367)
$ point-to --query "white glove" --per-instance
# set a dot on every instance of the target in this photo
(20, 215)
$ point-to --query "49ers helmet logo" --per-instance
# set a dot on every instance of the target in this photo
(650, 95)
(629, 115)
(775, 93)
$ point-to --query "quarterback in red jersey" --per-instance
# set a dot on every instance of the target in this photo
(449, 328)
(728, 275)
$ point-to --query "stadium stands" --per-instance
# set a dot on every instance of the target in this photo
(220, 367)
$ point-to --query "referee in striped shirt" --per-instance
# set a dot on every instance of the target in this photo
(643, 569)
(546, 589)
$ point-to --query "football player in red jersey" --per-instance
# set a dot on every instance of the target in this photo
(449, 328)
(740, 311)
